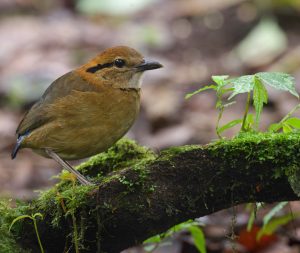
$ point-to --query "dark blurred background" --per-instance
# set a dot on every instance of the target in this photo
(194, 39)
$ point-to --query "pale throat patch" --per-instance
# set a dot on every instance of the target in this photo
(136, 80)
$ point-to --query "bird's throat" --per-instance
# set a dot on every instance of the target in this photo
(136, 81)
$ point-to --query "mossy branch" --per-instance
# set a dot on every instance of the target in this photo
(140, 193)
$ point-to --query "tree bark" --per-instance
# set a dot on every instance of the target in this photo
(139, 201)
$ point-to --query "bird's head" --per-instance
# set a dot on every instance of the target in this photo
(120, 67)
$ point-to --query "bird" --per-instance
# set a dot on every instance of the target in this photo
(87, 110)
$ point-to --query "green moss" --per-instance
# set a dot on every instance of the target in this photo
(261, 146)
(125, 153)
(72, 197)
(282, 149)
(8, 242)
(169, 153)
(67, 198)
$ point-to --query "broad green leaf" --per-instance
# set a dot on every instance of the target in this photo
(241, 84)
(199, 238)
(273, 211)
(17, 219)
(229, 125)
(274, 224)
(294, 122)
(220, 80)
(260, 97)
(279, 81)
(187, 96)
(286, 128)
(274, 127)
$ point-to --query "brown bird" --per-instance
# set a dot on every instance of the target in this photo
(87, 110)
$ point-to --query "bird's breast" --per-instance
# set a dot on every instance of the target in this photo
(86, 123)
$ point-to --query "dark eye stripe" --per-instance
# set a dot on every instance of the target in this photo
(99, 66)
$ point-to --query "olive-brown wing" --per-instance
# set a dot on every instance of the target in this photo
(61, 87)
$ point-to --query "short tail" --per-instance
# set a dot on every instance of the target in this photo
(18, 145)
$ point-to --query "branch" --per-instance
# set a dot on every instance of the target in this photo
(140, 194)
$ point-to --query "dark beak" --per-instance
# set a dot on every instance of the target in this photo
(148, 65)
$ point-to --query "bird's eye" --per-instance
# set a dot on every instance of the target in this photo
(120, 63)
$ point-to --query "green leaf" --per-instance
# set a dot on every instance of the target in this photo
(255, 208)
(273, 211)
(220, 80)
(294, 122)
(150, 247)
(279, 81)
(241, 84)
(187, 96)
(116, 7)
(199, 238)
(273, 225)
(249, 121)
(180, 227)
(260, 97)
(17, 219)
(286, 128)
(229, 125)
(275, 127)
(153, 239)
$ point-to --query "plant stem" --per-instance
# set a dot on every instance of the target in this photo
(75, 233)
(37, 235)
(290, 113)
(218, 121)
(246, 112)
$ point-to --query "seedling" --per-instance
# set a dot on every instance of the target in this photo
(255, 87)
(33, 217)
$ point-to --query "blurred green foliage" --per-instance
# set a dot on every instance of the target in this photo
(112, 7)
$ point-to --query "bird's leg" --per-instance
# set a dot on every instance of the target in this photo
(68, 167)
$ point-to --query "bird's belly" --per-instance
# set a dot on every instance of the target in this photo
(85, 141)
(87, 125)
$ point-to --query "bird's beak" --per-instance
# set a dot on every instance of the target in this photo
(148, 65)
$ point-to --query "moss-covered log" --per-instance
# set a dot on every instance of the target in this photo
(139, 193)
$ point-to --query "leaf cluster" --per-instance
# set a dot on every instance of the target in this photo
(191, 226)
(255, 88)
